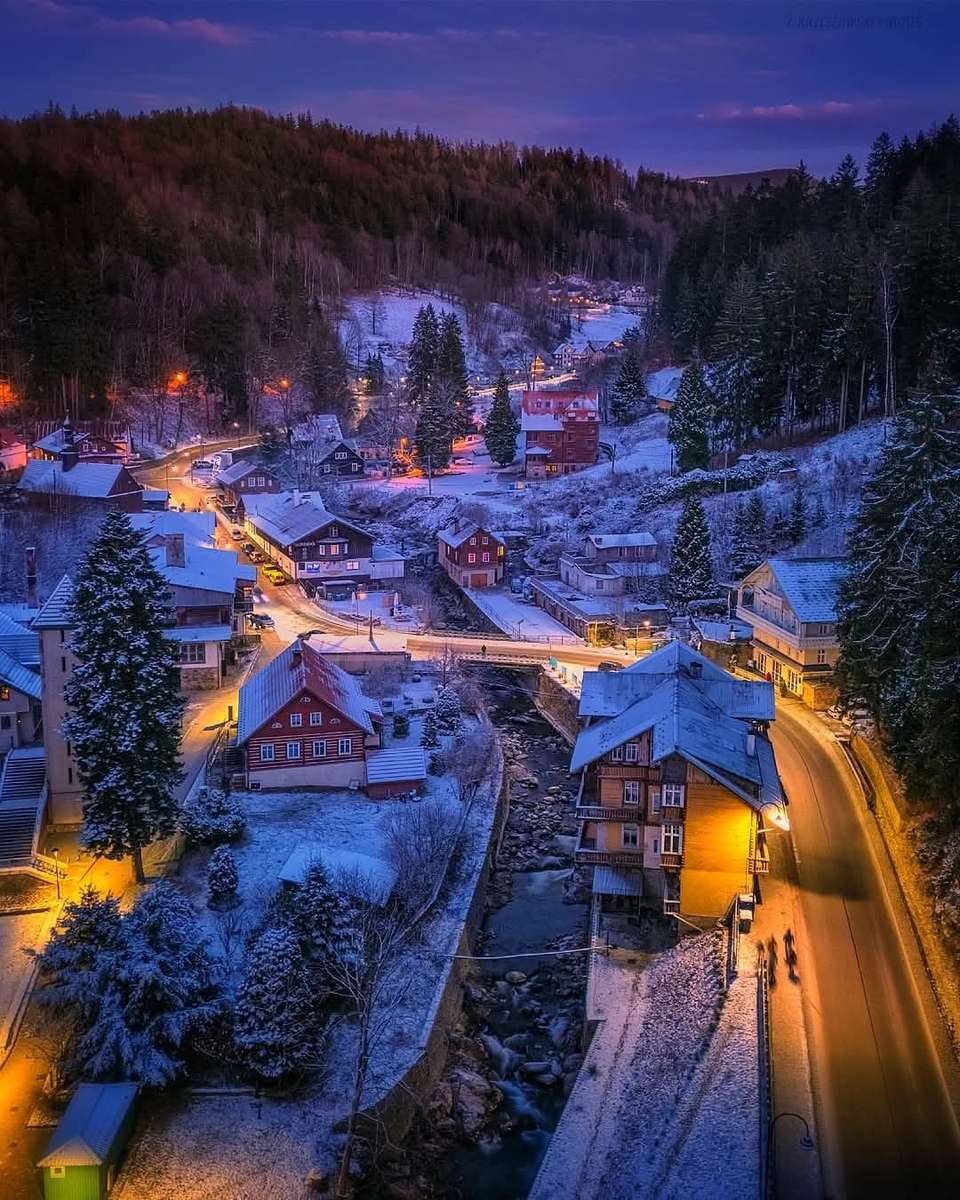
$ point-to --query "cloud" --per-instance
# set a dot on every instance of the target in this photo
(82, 18)
(822, 111)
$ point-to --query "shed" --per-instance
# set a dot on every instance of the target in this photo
(396, 771)
(89, 1141)
(367, 877)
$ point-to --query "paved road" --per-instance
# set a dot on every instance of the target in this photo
(885, 1081)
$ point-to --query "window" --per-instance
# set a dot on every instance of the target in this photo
(631, 791)
(354, 466)
(473, 541)
(631, 752)
(616, 754)
(63, 666)
(654, 796)
(673, 839)
(5, 722)
(672, 794)
(267, 752)
(821, 656)
(296, 719)
(486, 541)
(631, 835)
(353, 565)
(326, 468)
(344, 745)
(57, 1172)
(316, 718)
(321, 551)
(319, 749)
(341, 454)
(69, 774)
(486, 556)
(193, 652)
(293, 750)
(471, 558)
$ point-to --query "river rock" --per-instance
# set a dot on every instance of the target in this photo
(559, 1031)
(554, 790)
(533, 1069)
(549, 862)
(516, 1041)
(573, 1062)
(503, 1059)
(547, 1079)
(515, 977)
(473, 1099)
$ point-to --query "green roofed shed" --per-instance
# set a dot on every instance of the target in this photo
(85, 1148)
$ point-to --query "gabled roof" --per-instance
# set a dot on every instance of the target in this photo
(88, 479)
(287, 519)
(242, 468)
(809, 585)
(350, 444)
(55, 614)
(302, 668)
(18, 640)
(368, 878)
(197, 527)
(205, 570)
(456, 537)
(603, 541)
(89, 1127)
(15, 675)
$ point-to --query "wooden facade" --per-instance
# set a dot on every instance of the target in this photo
(477, 561)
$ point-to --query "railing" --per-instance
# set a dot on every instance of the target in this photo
(608, 858)
(671, 861)
(670, 907)
(596, 812)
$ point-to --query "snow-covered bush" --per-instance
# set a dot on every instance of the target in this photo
(401, 725)
(322, 914)
(275, 1020)
(223, 879)
(430, 730)
(448, 710)
(212, 817)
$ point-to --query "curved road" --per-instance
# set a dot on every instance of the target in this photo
(885, 1079)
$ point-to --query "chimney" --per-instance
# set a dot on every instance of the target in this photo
(68, 455)
(296, 655)
(752, 745)
(31, 563)
(296, 497)
(175, 552)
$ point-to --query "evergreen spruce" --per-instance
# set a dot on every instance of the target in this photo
(448, 711)
(819, 518)
(430, 730)
(780, 530)
(326, 371)
(123, 695)
(223, 879)
(691, 567)
(630, 389)
(375, 376)
(689, 421)
(274, 1019)
(452, 367)
(503, 425)
(424, 350)
(735, 363)
(323, 916)
(749, 537)
(434, 431)
(798, 518)
(212, 816)
(77, 961)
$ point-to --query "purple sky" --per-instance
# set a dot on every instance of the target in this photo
(685, 87)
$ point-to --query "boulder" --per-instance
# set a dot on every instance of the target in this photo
(559, 1031)
(532, 1069)
(515, 977)
(474, 1098)
(547, 1079)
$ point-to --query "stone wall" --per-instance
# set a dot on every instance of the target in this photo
(558, 705)
(887, 788)
(199, 679)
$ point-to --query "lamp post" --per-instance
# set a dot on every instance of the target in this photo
(56, 869)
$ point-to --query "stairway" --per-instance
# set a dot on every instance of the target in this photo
(22, 786)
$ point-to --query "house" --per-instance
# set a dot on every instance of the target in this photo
(304, 722)
(566, 355)
(470, 555)
(679, 785)
(88, 1143)
(245, 478)
(640, 547)
(397, 771)
(315, 546)
(21, 713)
(94, 441)
(64, 478)
(791, 606)
(726, 643)
(366, 878)
(600, 619)
(341, 458)
(13, 450)
(561, 431)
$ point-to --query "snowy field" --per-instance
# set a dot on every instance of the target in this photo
(665, 1106)
(601, 323)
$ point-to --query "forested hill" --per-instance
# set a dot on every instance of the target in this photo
(815, 300)
(119, 235)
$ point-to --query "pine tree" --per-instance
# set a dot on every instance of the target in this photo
(162, 989)
(735, 360)
(749, 537)
(375, 376)
(452, 367)
(424, 349)
(212, 816)
(326, 370)
(780, 530)
(691, 567)
(434, 432)
(503, 425)
(448, 710)
(123, 695)
(323, 916)
(274, 1019)
(630, 389)
(79, 958)
(430, 730)
(797, 521)
(223, 879)
(690, 420)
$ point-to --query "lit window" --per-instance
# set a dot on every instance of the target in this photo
(267, 752)
(486, 557)
(631, 791)
(631, 835)
(293, 750)
(673, 839)
(319, 749)
(344, 745)
(471, 558)
(296, 719)
(316, 718)
(353, 565)
(672, 794)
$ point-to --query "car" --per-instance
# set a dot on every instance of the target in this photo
(609, 666)
(463, 462)
(261, 621)
(255, 556)
(275, 575)
(236, 534)
(201, 464)
(248, 548)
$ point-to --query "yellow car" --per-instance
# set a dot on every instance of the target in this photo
(274, 574)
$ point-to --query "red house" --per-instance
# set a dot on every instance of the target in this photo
(304, 722)
(561, 432)
(471, 556)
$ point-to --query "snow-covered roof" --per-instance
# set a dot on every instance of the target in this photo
(239, 470)
(205, 570)
(301, 668)
(88, 1128)
(288, 518)
(455, 537)
(14, 674)
(198, 633)
(611, 881)
(89, 479)
(55, 614)
(340, 443)
(810, 585)
(318, 427)
(537, 452)
(362, 875)
(396, 765)
(603, 541)
(586, 606)
(690, 713)
(197, 527)
(720, 631)
(18, 640)
(539, 422)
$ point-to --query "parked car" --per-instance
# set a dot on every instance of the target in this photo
(260, 621)
(255, 556)
(248, 548)
(236, 534)
(201, 464)
(610, 666)
(274, 574)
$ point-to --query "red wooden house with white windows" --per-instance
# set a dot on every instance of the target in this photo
(471, 556)
(304, 722)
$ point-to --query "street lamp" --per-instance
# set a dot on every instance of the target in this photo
(56, 869)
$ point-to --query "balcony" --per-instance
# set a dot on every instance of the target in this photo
(596, 812)
(671, 862)
(586, 854)
(760, 863)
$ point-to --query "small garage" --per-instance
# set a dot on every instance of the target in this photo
(396, 772)
(88, 1143)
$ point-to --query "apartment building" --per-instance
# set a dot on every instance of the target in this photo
(561, 432)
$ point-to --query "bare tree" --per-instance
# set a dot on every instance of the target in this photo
(468, 761)
(419, 838)
(374, 308)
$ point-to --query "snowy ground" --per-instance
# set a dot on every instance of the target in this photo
(601, 323)
(525, 622)
(665, 1106)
